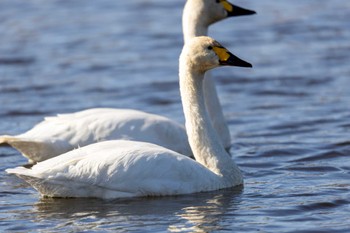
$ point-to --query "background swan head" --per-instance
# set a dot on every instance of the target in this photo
(204, 53)
(207, 12)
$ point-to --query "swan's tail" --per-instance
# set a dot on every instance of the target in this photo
(31, 149)
(19, 171)
(4, 139)
(27, 175)
(7, 140)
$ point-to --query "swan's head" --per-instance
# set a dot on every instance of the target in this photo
(211, 11)
(204, 53)
(221, 9)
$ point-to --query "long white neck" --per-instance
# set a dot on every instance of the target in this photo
(204, 141)
(194, 24)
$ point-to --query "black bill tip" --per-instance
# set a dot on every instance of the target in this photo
(235, 61)
(239, 11)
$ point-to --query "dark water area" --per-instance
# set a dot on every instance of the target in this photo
(289, 116)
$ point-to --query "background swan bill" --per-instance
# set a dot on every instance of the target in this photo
(234, 10)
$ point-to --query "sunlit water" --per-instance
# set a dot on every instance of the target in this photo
(289, 117)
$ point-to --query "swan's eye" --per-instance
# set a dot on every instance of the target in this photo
(210, 48)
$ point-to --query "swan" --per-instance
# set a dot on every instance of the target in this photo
(121, 168)
(64, 132)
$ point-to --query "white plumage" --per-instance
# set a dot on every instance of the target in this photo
(119, 168)
(57, 135)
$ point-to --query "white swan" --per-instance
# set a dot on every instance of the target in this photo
(57, 135)
(118, 168)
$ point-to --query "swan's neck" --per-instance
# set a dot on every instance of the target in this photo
(214, 109)
(194, 24)
(191, 29)
(205, 144)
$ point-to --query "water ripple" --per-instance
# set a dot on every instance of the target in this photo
(18, 61)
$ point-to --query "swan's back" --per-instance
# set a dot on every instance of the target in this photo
(115, 169)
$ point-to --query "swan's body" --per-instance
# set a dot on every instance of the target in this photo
(57, 135)
(116, 169)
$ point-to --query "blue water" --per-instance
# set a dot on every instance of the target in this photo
(289, 116)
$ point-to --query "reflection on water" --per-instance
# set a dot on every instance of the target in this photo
(200, 212)
(209, 214)
(288, 116)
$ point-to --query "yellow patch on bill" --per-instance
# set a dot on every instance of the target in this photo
(227, 6)
(222, 53)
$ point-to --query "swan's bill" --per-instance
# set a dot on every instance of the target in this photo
(228, 59)
(234, 10)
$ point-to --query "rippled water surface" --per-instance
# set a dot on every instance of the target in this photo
(289, 117)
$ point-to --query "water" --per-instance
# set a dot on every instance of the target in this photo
(289, 116)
